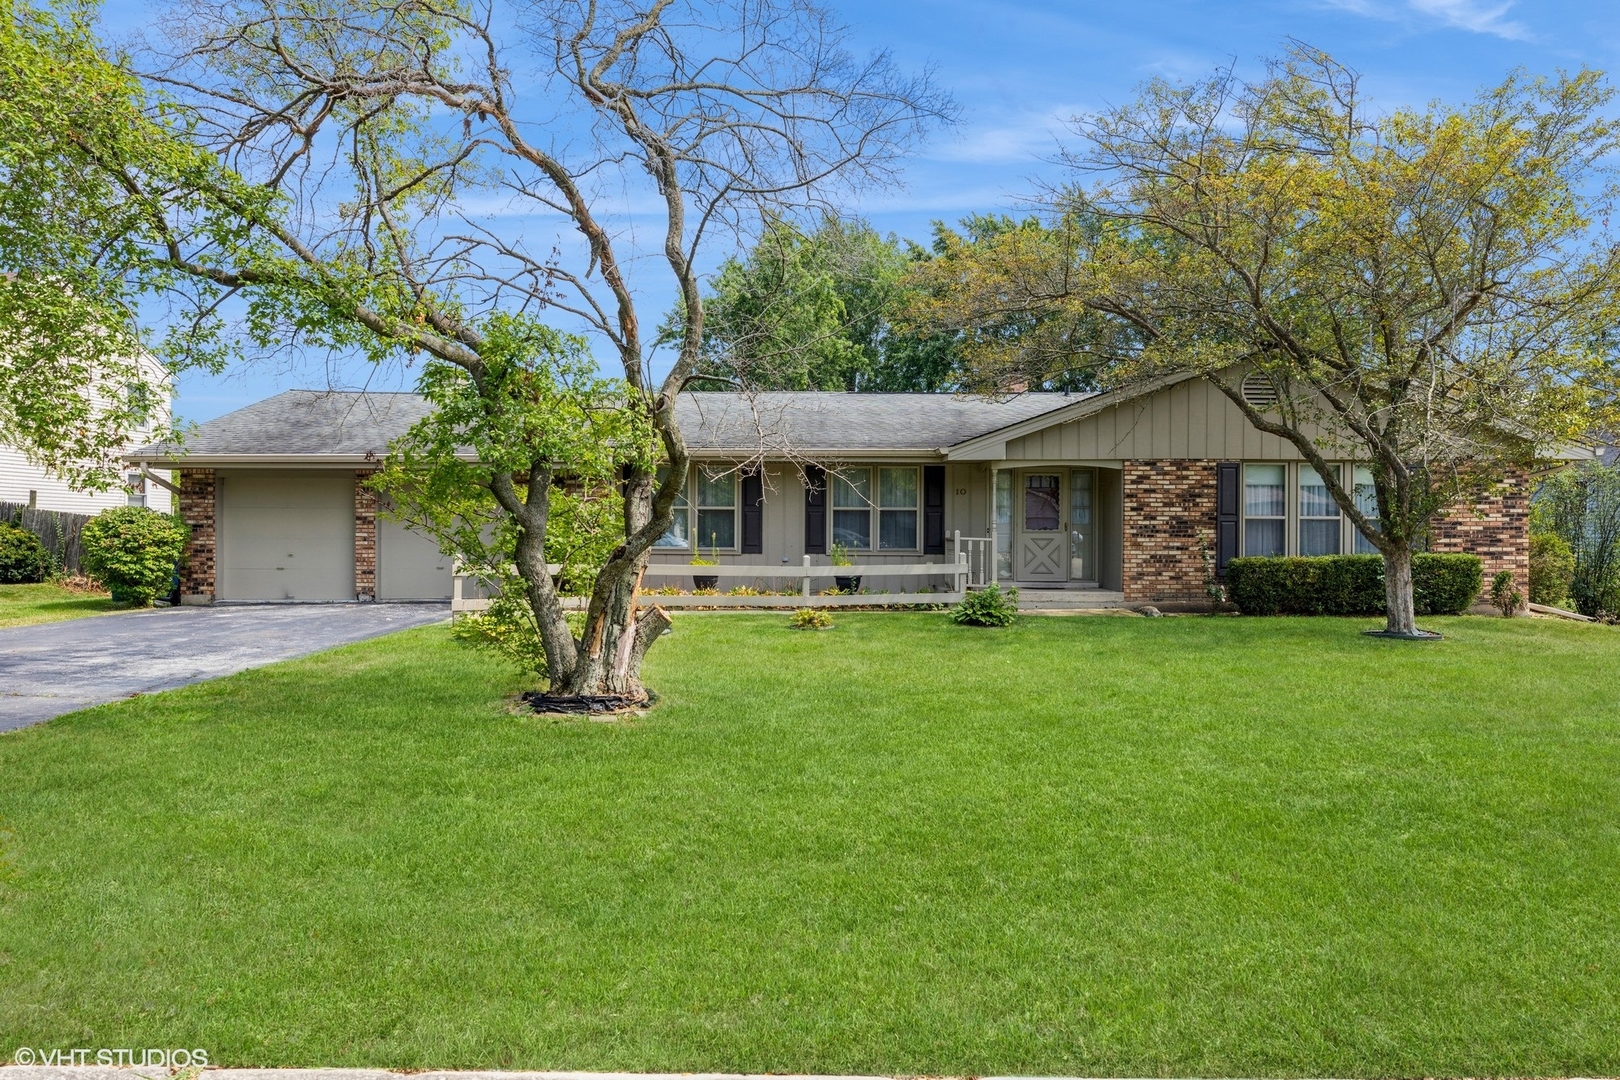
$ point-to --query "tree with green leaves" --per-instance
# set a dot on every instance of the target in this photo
(307, 175)
(818, 310)
(1426, 291)
(76, 380)
(1581, 507)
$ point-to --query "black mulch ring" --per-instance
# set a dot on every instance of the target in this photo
(582, 705)
(1416, 635)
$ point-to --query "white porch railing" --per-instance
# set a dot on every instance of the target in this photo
(958, 571)
(980, 556)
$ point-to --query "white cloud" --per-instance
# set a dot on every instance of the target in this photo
(1476, 16)
(1481, 18)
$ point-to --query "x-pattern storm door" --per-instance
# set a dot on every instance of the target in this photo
(1043, 541)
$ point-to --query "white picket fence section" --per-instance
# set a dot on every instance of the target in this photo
(969, 567)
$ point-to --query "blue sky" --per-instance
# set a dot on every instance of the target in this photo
(1020, 70)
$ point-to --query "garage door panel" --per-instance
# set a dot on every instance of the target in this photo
(267, 523)
(409, 565)
(286, 537)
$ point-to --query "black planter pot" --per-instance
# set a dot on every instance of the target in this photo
(848, 584)
(705, 581)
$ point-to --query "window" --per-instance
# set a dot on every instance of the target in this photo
(897, 509)
(680, 529)
(852, 508)
(716, 509)
(1041, 503)
(1004, 479)
(1318, 515)
(1367, 502)
(135, 485)
(1080, 534)
(1265, 509)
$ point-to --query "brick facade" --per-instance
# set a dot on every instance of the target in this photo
(1167, 504)
(197, 506)
(1495, 525)
(365, 538)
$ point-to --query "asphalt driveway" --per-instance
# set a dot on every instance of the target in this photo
(55, 668)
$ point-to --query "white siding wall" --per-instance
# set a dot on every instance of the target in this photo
(18, 477)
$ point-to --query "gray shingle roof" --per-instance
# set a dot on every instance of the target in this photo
(315, 423)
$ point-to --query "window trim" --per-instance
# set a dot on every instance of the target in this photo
(915, 509)
(698, 508)
(1287, 515)
(1301, 518)
(1348, 534)
(684, 497)
(874, 507)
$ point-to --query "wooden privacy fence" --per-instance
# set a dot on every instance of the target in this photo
(968, 568)
(56, 529)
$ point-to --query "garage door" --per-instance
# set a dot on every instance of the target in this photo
(409, 566)
(286, 537)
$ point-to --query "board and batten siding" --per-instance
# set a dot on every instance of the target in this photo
(1191, 419)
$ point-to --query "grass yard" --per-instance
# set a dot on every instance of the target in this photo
(1084, 845)
(24, 605)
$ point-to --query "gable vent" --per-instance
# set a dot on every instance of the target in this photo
(1258, 390)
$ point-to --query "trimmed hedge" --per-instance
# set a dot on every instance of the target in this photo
(133, 551)
(1349, 584)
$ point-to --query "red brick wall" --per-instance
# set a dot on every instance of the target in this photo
(1495, 525)
(197, 510)
(1167, 503)
(365, 538)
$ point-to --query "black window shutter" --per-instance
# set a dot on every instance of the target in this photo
(933, 509)
(815, 510)
(753, 513)
(1227, 479)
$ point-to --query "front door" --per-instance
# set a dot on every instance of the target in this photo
(1043, 541)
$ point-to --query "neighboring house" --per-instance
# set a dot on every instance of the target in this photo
(1130, 491)
(26, 483)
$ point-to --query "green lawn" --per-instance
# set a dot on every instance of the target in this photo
(23, 605)
(1117, 846)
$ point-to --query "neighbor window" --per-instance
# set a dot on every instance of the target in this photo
(680, 529)
(716, 509)
(1265, 509)
(135, 487)
(852, 508)
(897, 509)
(1318, 515)
(1367, 502)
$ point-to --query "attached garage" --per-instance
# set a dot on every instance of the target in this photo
(285, 536)
(409, 565)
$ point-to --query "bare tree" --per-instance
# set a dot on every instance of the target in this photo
(358, 137)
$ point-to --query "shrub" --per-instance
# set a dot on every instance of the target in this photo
(133, 551)
(1552, 569)
(1504, 596)
(1348, 584)
(506, 628)
(23, 559)
(1445, 584)
(809, 618)
(987, 607)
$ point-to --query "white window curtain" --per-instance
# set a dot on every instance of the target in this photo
(1318, 515)
(680, 529)
(1367, 502)
(1265, 509)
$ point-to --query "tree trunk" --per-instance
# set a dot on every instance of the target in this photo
(617, 636)
(1400, 618)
